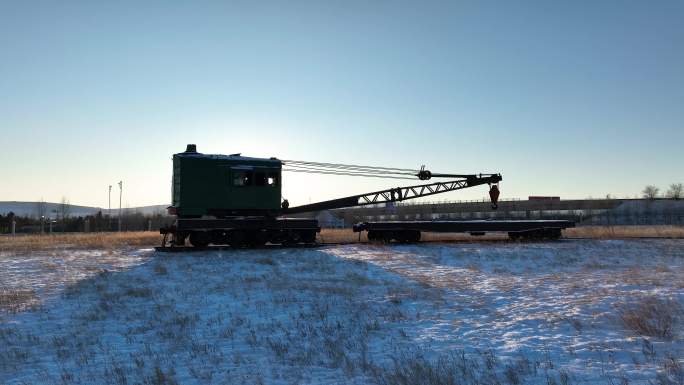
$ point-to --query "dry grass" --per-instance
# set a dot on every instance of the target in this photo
(15, 300)
(466, 369)
(652, 317)
(340, 235)
(27, 243)
(611, 232)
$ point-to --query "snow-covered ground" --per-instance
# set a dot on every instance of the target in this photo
(569, 312)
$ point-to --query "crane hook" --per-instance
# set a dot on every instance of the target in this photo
(494, 195)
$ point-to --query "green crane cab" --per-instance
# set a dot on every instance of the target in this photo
(224, 185)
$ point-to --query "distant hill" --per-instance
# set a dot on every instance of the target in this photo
(30, 209)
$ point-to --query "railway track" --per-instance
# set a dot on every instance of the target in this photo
(179, 249)
(183, 249)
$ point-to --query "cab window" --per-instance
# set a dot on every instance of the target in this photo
(272, 179)
(242, 178)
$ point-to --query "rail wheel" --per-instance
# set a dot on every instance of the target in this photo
(220, 237)
(179, 238)
(258, 238)
(277, 237)
(514, 235)
(237, 239)
(552, 234)
(412, 236)
(380, 236)
(386, 236)
(308, 236)
(292, 238)
(199, 238)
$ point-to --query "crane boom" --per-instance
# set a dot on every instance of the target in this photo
(399, 194)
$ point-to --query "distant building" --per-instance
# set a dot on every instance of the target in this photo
(542, 198)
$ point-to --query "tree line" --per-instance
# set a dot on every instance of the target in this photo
(675, 191)
(64, 222)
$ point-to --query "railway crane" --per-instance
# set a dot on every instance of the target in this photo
(236, 200)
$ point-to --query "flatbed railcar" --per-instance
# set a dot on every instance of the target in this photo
(410, 231)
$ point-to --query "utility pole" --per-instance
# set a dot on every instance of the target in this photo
(120, 194)
(109, 211)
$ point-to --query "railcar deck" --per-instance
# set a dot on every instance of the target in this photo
(409, 231)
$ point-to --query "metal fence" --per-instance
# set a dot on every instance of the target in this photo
(583, 212)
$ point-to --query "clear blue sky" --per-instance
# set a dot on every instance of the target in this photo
(576, 99)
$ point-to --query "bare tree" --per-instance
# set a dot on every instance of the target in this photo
(676, 191)
(64, 211)
(650, 192)
(41, 211)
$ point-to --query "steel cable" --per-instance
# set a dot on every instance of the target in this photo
(342, 172)
(348, 166)
(348, 169)
(362, 171)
